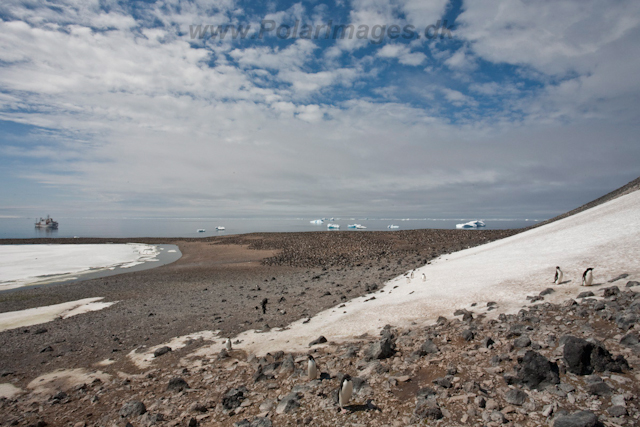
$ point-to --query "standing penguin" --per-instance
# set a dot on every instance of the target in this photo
(412, 274)
(345, 391)
(558, 279)
(424, 277)
(587, 277)
(264, 305)
(227, 344)
(408, 279)
(312, 368)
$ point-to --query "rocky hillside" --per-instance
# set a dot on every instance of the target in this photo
(571, 364)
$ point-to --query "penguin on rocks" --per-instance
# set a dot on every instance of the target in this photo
(312, 368)
(558, 279)
(587, 277)
(345, 392)
(227, 344)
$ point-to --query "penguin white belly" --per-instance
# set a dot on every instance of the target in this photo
(559, 279)
(346, 392)
(312, 370)
(588, 279)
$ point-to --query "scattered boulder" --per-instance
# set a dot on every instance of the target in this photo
(468, 335)
(578, 419)
(535, 372)
(522, 341)
(320, 340)
(617, 411)
(234, 397)
(382, 349)
(516, 397)
(611, 291)
(177, 384)
(586, 294)
(288, 403)
(429, 347)
(132, 409)
(583, 357)
(632, 283)
(161, 351)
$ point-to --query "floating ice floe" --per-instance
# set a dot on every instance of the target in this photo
(220, 228)
(358, 226)
(471, 224)
(333, 226)
(201, 230)
(393, 226)
(316, 221)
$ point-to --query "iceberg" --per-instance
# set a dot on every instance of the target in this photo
(471, 224)
(220, 228)
(393, 226)
(201, 230)
(316, 221)
(358, 226)
(333, 226)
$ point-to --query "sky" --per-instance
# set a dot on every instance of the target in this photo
(440, 109)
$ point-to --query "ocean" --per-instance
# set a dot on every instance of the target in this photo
(23, 228)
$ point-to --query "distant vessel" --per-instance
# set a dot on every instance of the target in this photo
(358, 226)
(393, 226)
(201, 230)
(47, 222)
(220, 228)
(471, 224)
(333, 226)
(316, 221)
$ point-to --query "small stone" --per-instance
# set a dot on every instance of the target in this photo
(577, 419)
(290, 402)
(162, 350)
(617, 411)
(467, 335)
(516, 397)
(177, 384)
(320, 340)
(522, 342)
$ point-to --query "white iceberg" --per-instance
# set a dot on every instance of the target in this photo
(316, 221)
(333, 226)
(220, 228)
(393, 226)
(471, 224)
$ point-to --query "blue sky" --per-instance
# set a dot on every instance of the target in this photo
(111, 108)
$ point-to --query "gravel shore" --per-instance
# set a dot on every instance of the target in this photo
(218, 284)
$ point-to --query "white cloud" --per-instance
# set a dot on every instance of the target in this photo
(402, 53)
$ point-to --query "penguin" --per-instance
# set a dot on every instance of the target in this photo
(412, 274)
(227, 344)
(424, 277)
(558, 279)
(264, 305)
(587, 277)
(312, 368)
(345, 391)
(408, 279)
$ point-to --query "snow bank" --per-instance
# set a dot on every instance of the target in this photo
(35, 316)
(506, 271)
(22, 265)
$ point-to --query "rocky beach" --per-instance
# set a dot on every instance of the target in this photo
(521, 351)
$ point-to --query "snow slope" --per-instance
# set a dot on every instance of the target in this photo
(606, 237)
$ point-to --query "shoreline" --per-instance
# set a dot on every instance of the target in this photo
(219, 285)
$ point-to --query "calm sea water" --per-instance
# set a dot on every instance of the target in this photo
(23, 228)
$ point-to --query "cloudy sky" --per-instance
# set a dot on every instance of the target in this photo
(518, 109)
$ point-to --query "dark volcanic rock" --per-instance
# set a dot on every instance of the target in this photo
(234, 397)
(632, 283)
(428, 347)
(535, 372)
(611, 291)
(177, 384)
(467, 335)
(578, 419)
(162, 350)
(320, 340)
(516, 397)
(382, 349)
(585, 294)
(132, 409)
(522, 341)
(583, 357)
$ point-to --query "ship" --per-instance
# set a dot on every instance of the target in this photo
(47, 222)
